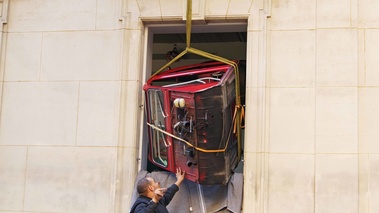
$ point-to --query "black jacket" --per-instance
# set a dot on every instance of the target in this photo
(146, 205)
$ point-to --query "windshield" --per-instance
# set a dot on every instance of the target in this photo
(157, 118)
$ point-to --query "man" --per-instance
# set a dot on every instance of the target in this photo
(153, 198)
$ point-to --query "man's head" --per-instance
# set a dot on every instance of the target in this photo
(146, 186)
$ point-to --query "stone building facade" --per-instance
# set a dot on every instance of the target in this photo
(71, 127)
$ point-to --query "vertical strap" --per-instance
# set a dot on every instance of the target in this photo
(189, 22)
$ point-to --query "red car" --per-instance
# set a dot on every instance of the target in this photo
(190, 113)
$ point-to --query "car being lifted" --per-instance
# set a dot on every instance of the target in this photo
(191, 112)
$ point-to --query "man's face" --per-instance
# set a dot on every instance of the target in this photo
(155, 185)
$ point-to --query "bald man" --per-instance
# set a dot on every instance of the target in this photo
(154, 199)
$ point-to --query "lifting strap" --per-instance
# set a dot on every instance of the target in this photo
(238, 112)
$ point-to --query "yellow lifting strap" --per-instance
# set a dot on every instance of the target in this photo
(188, 143)
(237, 114)
(188, 22)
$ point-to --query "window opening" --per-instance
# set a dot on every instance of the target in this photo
(228, 41)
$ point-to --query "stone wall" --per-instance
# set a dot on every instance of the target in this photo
(71, 102)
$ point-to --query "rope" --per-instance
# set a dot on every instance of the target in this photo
(234, 124)
(189, 22)
(188, 143)
(242, 117)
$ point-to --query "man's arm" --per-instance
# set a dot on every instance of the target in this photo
(171, 191)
